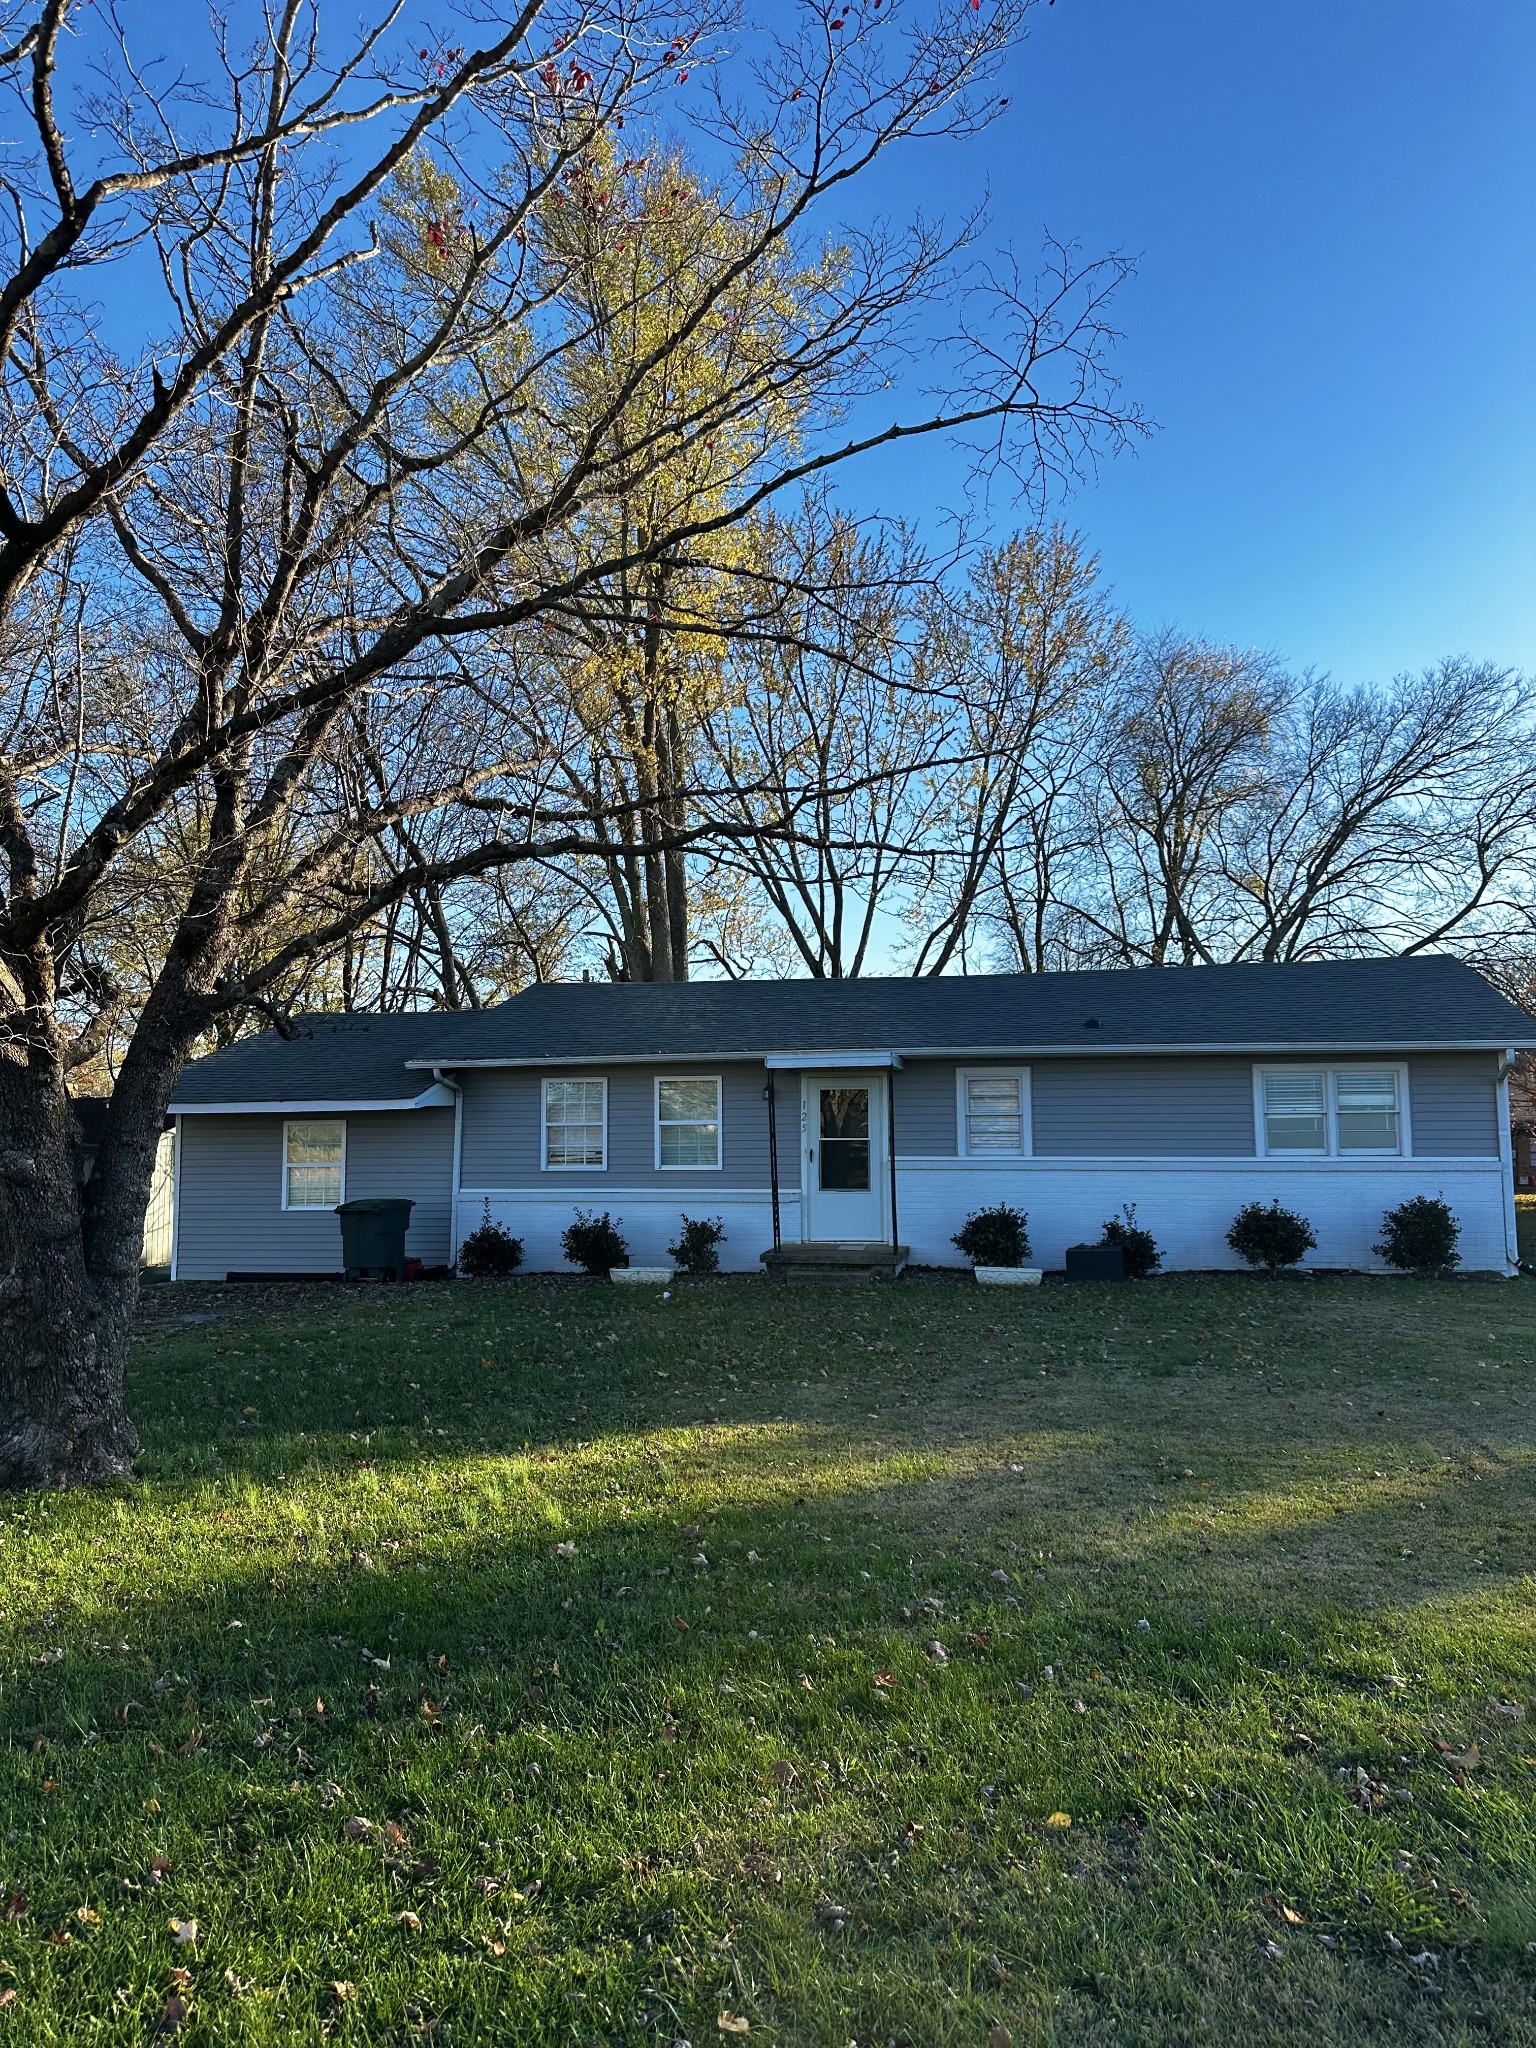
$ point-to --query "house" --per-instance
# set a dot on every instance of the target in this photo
(160, 1216)
(869, 1111)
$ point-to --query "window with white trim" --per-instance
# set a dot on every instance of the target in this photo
(1325, 1112)
(993, 1112)
(576, 1123)
(314, 1162)
(688, 1123)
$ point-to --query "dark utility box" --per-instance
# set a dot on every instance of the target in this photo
(1095, 1262)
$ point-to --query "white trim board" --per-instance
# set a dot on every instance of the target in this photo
(435, 1097)
(1281, 1049)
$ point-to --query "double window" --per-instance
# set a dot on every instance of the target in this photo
(1321, 1112)
(687, 1123)
(993, 1112)
(314, 1163)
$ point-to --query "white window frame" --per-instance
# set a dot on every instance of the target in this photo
(551, 1166)
(1330, 1071)
(965, 1075)
(310, 1208)
(719, 1121)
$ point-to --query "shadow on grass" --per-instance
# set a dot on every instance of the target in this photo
(624, 1791)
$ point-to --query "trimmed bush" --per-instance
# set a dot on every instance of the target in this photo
(1272, 1237)
(490, 1251)
(994, 1237)
(1420, 1236)
(697, 1249)
(593, 1243)
(1138, 1247)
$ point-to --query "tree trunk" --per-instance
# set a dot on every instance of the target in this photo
(65, 1331)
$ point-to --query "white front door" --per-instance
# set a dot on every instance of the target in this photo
(843, 1124)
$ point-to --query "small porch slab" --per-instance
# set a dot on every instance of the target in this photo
(836, 1264)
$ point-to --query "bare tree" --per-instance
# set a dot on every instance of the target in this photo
(1024, 656)
(350, 459)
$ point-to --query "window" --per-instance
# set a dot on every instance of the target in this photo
(314, 1164)
(688, 1124)
(576, 1124)
(993, 1112)
(1296, 1112)
(1365, 1105)
(1327, 1111)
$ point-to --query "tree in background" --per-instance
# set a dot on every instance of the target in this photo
(346, 458)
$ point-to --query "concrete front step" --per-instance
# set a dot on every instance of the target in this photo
(847, 1264)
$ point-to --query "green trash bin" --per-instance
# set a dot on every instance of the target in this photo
(373, 1237)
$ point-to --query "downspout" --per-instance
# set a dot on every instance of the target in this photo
(773, 1157)
(458, 1161)
(175, 1197)
(1507, 1161)
(890, 1144)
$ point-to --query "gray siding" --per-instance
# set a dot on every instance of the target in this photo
(1143, 1108)
(503, 1141)
(229, 1199)
(1455, 1105)
(925, 1117)
(1190, 1108)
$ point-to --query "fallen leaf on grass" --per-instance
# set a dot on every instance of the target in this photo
(565, 1550)
(15, 1907)
(181, 1980)
(410, 1923)
(357, 1829)
(193, 1741)
(999, 2037)
(7, 1997)
(784, 1772)
(183, 1932)
(1459, 1763)
(159, 1869)
(732, 2023)
(1058, 1820)
(342, 1989)
(87, 1916)
(174, 2017)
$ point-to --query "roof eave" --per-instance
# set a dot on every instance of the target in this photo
(772, 1055)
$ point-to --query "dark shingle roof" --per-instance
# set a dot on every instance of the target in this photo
(334, 1058)
(1426, 1000)
(1395, 1004)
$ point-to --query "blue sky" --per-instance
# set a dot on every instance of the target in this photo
(1334, 322)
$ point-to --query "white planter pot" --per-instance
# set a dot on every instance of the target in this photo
(640, 1276)
(1007, 1276)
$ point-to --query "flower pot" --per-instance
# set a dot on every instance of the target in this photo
(1007, 1276)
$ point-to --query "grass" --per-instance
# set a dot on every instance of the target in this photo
(550, 1664)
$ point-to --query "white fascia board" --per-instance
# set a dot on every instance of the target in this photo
(797, 1060)
(1245, 1049)
(689, 1056)
(435, 1097)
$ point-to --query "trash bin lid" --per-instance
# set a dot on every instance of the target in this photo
(375, 1205)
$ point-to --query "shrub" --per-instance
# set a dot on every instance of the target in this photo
(593, 1243)
(1272, 1237)
(697, 1247)
(1138, 1247)
(490, 1250)
(1420, 1236)
(994, 1237)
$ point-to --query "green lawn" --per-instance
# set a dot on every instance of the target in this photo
(546, 1663)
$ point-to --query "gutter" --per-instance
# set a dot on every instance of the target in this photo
(445, 1081)
(1013, 1050)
